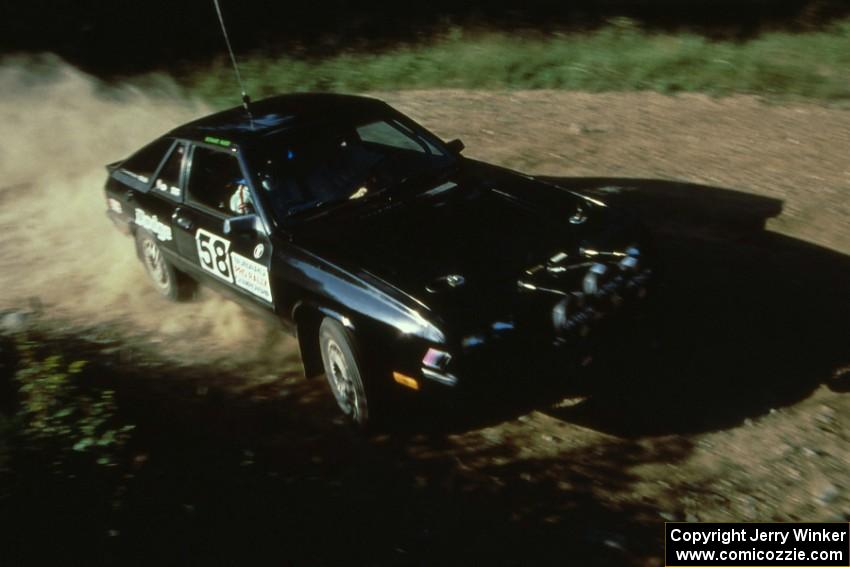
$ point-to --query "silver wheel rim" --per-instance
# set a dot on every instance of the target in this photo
(341, 381)
(155, 263)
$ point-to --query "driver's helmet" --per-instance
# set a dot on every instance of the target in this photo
(241, 202)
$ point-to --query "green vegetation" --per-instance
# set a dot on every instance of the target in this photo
(65, 460)
(59, 418)
(617, 58)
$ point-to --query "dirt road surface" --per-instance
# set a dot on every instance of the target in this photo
(741, 413)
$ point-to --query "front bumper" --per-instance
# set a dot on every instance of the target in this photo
(524, 358)
(510, 351)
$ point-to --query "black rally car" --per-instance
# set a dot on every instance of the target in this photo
(398, 263)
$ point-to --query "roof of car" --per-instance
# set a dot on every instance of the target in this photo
(275, 114)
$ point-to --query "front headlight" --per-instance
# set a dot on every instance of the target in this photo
(565, 309)
(436, 359)
(594, 279)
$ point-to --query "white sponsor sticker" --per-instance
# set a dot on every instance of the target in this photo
(166, 188)
(251, 276)
(115, 205)
(153, 224)
(215, 257)
(213, 254)
(258, 251)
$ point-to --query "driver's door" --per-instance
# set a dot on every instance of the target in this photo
(239, 259)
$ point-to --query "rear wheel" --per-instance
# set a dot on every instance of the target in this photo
(343, 371)
(168, 282)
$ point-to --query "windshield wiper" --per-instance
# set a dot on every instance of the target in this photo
(328, 206)
(300, 207)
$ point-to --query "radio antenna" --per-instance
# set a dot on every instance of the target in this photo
(246, 100)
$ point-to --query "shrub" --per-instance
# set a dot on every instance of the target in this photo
(59, 417)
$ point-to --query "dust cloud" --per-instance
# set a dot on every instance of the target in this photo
(59, 128)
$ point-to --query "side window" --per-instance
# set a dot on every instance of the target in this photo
(387, 135)
(143, 164)
(168, 181)
(216, 182)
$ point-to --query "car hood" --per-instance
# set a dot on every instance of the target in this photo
(459, 244)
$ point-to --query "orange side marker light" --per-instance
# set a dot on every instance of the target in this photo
(406, 380)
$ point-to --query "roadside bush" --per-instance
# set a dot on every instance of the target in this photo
(64, 465)
(61, 419)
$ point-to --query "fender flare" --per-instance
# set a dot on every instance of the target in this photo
(307, 317)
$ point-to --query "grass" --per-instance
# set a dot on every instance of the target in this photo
(620, 57)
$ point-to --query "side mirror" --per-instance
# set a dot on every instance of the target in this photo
(243, 225)
(456, 146)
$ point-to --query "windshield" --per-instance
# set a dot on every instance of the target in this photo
(335, 165)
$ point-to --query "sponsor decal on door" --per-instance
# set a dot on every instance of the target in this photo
(215, 257)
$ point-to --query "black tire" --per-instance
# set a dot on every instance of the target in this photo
(343, 372)
(170, 283)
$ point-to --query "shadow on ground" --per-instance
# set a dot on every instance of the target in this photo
(750, 319)
(219, 475)
(228, 469)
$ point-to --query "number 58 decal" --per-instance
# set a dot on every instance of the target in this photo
(213, 254)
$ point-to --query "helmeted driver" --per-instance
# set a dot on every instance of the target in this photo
(241, 202)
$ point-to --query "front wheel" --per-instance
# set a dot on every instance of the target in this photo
(343, 371)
